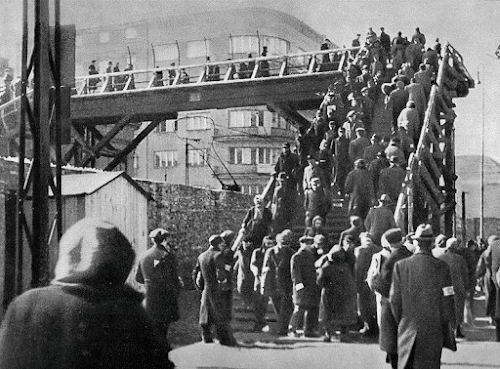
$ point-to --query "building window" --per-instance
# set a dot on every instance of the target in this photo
(246, 118)
(243, 155)
(131, 33)
(166, 159)
(198, 49)
(275, 45)
(197, 122)
(279, 122)
(264, 155)
(167, 126)
(104, 37)
(244, 45)
(166, 52)
(197, 157)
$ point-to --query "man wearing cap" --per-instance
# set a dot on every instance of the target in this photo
(359, 187)
(358, 145)
(380, 218)
(366, 297)
(391, 179)
(312, 171)
(276, 279)
(392, 241)
(158, 271)
(351, 124)
(209, 276)
(459, 279)
(316, 201)
(439, 245)
(289, 164)
(370, 152)
(343, 163)
(375, 167)
(282, 204)
(306, 293)
(421, 298)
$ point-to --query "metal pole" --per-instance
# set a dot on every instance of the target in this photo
(186, 162)
(57, 75)
(481, 218)
(154, 56)
(41, 151)
(178, 52)
(464, 220)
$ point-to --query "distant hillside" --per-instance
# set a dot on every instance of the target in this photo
(468, 169)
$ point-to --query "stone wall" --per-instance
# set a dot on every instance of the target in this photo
(193, 215)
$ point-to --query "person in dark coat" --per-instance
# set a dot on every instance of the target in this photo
(61, 326)
(277, 281)
(316, 202)
(306, 293)
(260, 301)
(359, 188)
(391, 179)
(92, 84)
(210, 277)
(158, 272)
(370, 152)
(380, 218)
(245, 278)
(388, 335)
(396, 102)
(283, 205)
(228, 258)
(421, 299)
(338, 307)
(459, 279)
(257, 222)
(343, 161)
(375, 167)
(289, 164)
(358, 145)
(354, 230)
(385, 40)
(366, 297)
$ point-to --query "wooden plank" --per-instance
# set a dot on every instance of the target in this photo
(430, 185)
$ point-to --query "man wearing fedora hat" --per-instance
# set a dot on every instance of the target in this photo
(421, 298)
(380, 218)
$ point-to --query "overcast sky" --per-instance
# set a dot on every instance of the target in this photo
(471, 26)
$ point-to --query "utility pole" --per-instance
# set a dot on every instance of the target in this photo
(186, 162)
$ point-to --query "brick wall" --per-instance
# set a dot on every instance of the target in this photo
(193, 215)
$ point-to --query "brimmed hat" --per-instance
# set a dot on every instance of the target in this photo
(452, 243)
(284, 237)
(423, 233)
(306, 239)
(393, 236)
(359, 129)
(158, 234)
(215, 240)
(385, 199)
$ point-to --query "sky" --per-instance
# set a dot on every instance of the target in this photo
(471, 27)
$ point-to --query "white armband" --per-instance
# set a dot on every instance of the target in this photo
(448, 291)
(227, 267)
(299, 286)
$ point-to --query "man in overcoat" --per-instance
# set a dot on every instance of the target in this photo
(388, 335)
(359, 187)
(306, 293)
(421, 298)
(277, 281)
(366, 297)
(158, 271)
(210, 276)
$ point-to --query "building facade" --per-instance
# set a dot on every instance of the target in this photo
(214, 147)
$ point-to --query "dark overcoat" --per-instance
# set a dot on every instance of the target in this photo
(304, 274)
(388, 336)
(78, 326)
(210, 277)
(257, 229)
(483, 271)
(338, 295)
(158, 272)
(245, 278)
(459, 278)
(276, 275)
(391, 181)
(359, 186)
(423, 306)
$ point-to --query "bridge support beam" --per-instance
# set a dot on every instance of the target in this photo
(291, 115)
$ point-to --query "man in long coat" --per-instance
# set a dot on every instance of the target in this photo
(343, 161)
(359, 186)
(421, 300)
(391, 179)
(380, 218)
(388, 335)
(366, 297)
(306, 293)
(209, 276)
(158, 271)
(484, 271)
(277, 280)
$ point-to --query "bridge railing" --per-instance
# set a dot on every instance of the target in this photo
(214, 72)
(428, 191)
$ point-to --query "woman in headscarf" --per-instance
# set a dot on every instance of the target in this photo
(88, 317)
